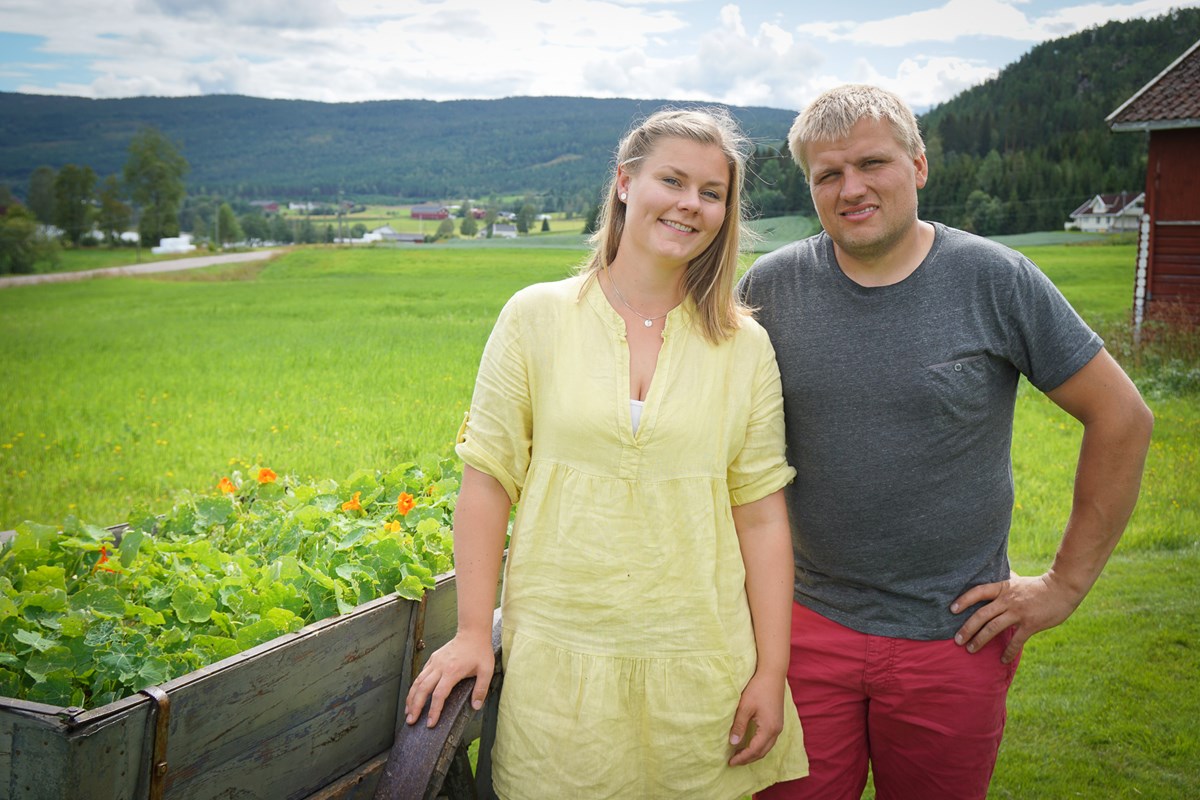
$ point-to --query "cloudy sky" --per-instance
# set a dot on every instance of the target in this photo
(777, 53)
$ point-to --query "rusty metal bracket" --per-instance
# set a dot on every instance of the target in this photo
(162, 720)
(418, 636)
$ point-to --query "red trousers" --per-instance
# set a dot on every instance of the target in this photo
(926, 715)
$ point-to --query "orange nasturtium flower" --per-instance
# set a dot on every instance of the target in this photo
(405, 503)
(392, 527)
(266, 475)
(103, 559)
(226, 486)
(352, 504)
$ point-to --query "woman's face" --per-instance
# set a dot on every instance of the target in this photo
(675, 201)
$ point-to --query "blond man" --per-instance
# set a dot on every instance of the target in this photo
(900, 344)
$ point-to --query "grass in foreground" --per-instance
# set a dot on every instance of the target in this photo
(1106, 705)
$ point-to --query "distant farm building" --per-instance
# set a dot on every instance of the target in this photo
(1109, 213)
(1167, 282)
(175, 244)
(386, 234)
(430, 212)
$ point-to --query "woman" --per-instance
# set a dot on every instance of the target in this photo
(635, 412)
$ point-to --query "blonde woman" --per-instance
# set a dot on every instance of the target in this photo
(633, 414)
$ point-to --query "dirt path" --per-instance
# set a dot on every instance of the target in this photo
(137, 269)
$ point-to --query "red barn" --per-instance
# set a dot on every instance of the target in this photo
(1168, 266)
(429, 212)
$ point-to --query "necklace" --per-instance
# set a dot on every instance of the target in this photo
(649, 321)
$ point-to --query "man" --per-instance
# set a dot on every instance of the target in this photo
(900, 343)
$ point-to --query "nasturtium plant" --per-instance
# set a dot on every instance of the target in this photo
(89, 615)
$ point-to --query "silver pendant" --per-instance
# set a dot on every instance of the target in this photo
(649, 323)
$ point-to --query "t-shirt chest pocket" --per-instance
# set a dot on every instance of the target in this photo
(959, 390)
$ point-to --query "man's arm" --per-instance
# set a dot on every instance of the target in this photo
(1116, 436)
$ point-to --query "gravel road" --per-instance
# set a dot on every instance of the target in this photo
(137, 269)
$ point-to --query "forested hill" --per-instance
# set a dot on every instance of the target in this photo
(1023, 150)
(414, 149)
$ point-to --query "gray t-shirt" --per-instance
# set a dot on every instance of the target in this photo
(899, 403)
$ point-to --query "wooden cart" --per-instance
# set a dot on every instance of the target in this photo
(307, 716)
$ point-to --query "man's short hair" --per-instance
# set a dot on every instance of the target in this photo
(836, 111)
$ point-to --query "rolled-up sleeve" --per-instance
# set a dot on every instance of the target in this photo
(760, 466)
(497, 434)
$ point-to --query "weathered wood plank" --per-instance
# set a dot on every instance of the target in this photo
(292, 719)
(36, 753)
(51, 753)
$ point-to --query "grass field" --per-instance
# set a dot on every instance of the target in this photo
(122, 391)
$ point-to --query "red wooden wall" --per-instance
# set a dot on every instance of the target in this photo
(1173, 203)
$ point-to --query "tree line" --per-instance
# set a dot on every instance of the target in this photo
(148, 192)
(402, 150)
(150, 186)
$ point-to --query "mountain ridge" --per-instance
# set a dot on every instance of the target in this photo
(408, 148)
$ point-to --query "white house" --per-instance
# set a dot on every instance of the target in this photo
(385, 233)
(175, 244)
(1108, 213)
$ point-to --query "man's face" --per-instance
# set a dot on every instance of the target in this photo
(864, 188)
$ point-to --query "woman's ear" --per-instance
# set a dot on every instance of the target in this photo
(622, 183)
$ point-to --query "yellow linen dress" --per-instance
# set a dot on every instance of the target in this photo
(627, 632)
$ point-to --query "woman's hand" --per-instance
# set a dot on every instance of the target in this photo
(463, 656)
(766, 543)
(480, 522)
(762, 701)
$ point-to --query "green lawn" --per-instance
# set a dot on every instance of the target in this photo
(1106, 705)
(121, 392)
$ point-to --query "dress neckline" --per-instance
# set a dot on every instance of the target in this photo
(595, 297)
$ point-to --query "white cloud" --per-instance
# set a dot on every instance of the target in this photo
(344, 50)
(927, 79)
(274, 14)
(946, 23)
(957, 19)
(1073, 19)
(732, 65)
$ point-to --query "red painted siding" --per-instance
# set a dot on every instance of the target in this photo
(1173, 203)
(1173, 174)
